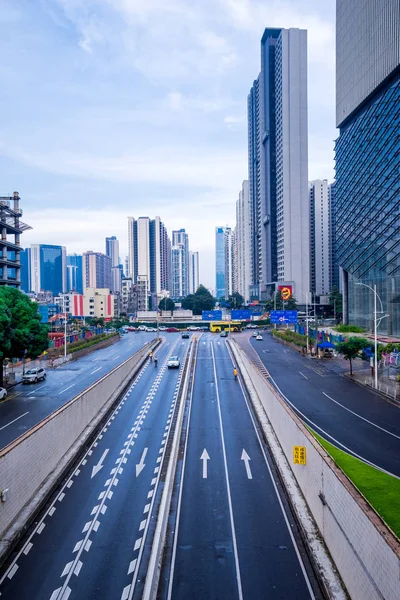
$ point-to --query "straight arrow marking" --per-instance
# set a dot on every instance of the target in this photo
(205, 457)
(140, 466)
(246, 459)
(99, 465)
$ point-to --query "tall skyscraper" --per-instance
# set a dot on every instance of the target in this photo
(149, 253)
(367, 189)
(96, 270)
(278, 163)
(224, 261)
(243, 240)
(194, 272)
(48, 268)
(320, 237)
(180, 264)
(11, 229)
(25, 258)
(112, 250)
(332, 234)
(74, 273)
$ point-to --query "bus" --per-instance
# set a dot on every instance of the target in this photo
(218, 326)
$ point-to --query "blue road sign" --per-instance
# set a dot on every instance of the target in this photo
(212, 315)
(240, 315)
(283, 316)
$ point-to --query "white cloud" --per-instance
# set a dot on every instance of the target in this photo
(175, 101)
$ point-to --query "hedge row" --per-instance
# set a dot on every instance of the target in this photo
(81, 344)
(291, 336)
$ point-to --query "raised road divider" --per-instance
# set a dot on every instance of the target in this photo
(365, 551)
(33, 464)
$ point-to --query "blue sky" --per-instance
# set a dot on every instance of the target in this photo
(116, 108)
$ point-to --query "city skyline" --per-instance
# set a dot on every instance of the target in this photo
(74, 174)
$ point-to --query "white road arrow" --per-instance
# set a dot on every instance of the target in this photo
(246, 459)
(99, 465)
(204, 457)
(140, 466)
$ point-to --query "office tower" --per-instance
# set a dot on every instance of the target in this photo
(126, 266)
(48, 268)
(320, 237)
(334, 277)
(25, 259)
(74, 273)
(224, 261)
(178, 272)
(194, 272)
(367, 188)
(243, 241)
(159, 257)
(10, 249)
(96, 270)
(112, 250)
(278, 163)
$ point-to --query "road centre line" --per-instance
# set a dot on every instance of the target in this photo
(13, 421)
(289, 528)
(68, 388)
(235, 550)
(363, 418)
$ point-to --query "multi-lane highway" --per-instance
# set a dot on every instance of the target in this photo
(231, 532)
(354, 418)
(28, 404)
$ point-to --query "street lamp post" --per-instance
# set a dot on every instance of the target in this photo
(65, 327)
(373, 289)
(307, 340)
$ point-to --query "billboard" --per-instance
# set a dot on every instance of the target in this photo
(211, 315)
(283, 316)
(286, 291)
(240, 315)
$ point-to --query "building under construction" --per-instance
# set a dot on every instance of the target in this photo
(10, 241)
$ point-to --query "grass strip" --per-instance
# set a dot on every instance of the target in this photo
(381, 490)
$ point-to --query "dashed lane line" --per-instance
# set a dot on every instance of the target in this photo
(14, 420)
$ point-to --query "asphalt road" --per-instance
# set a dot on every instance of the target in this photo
(89, 542)
(350, 416)
(26, 405)
(232, 536)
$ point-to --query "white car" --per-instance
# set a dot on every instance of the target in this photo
(162, 328)
(3, 393)
(173, 362)
(259, 337)
(34, 375)
(254, 334)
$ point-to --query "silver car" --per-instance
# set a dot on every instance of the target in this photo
(3, 393)
(173, 362)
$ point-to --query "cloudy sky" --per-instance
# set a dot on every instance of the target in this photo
(110, 108)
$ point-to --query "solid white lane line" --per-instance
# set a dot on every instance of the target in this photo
(13, 421)
(305, 376)
(36, 390)
(95, 371)
(68, 388)
(363, 418)
(228, 488)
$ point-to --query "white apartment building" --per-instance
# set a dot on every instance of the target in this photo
(243, 254)
(320, 237)
(194, 272)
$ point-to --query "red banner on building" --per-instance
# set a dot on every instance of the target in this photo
(286, 291)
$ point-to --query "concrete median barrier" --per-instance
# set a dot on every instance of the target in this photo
(32, 465)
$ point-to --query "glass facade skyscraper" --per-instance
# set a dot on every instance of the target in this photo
(367, 191)
(48, 268)
(220, 262)
(74, 273)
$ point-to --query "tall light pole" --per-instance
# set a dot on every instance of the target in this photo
(373, 289)
(307, 340)
(65, 327)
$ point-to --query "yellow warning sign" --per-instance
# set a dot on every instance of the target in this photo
(299, 455)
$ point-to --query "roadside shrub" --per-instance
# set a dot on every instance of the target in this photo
(291, 336)
(349, 329)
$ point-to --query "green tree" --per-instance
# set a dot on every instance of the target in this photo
(235, 300)
(166, 304)
(21, 332)
(352, 348)
(199, 301)
(278, 302)
(336, 300)
(96, 321)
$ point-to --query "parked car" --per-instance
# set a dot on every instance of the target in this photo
(185, 335)
(3, 393)
(141, 328)
(34, 375)
(223, 334)
(162, 328)
(173, 362)
(259, 337)
(172, 329)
